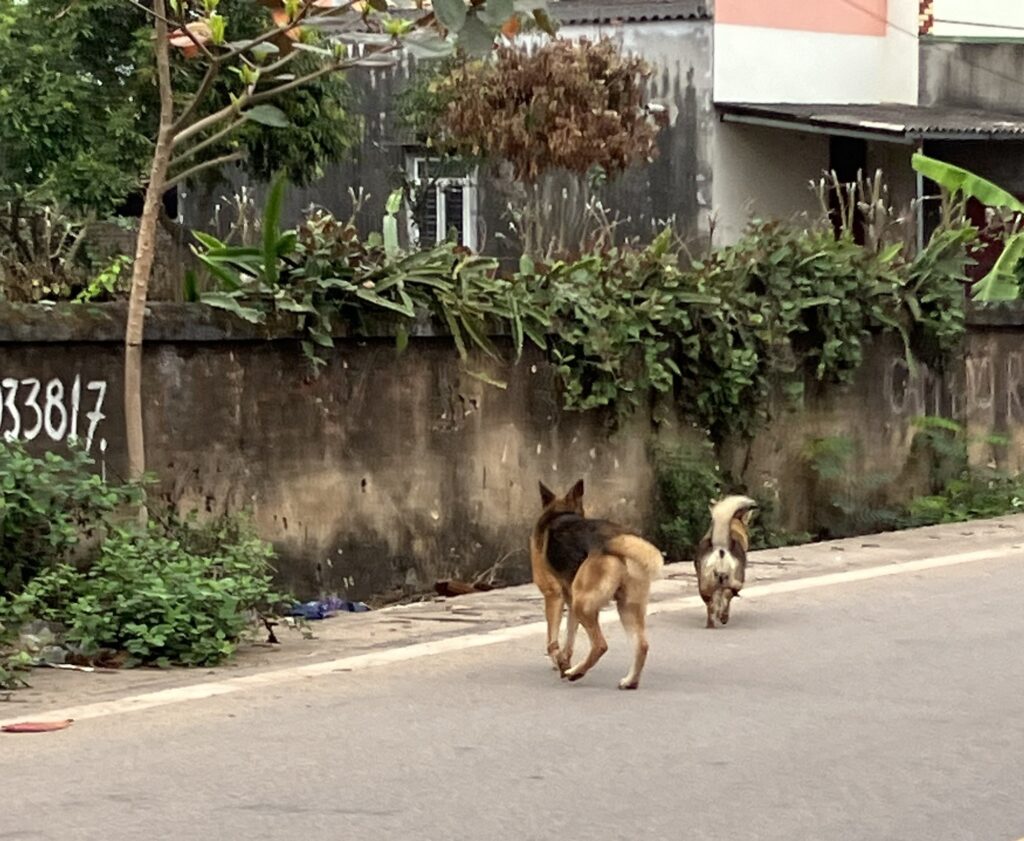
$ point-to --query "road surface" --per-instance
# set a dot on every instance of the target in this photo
(884, 709)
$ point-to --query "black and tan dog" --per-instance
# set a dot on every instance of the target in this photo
(721, 558)
(584, 564)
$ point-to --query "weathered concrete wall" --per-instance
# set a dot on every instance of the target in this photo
(992, 398)
(386, 470)
(395, 470)
(982, 389)
(972, 74)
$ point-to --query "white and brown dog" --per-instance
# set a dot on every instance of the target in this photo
(721, 560)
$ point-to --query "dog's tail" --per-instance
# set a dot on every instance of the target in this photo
(643, 560)
(722, 514)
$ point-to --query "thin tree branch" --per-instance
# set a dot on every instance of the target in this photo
(152, 13)
(277, 65)
(272, 33)
(182, 26)
(212, 71)
(199, 126)
(220, 135)
(195, 170)
(332, 67)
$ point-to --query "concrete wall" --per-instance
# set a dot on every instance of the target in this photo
(385, 471)
(816, 51)
(983, 390)
(973, 75)
(766, 173)
(392, 471)
(763, 172)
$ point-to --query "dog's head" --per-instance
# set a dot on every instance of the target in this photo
(571, 503)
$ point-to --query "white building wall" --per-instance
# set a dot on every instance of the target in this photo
(978, 18)
(866, 57)
(798, 52)
(765, 173)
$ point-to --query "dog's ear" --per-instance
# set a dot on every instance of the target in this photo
(576, 494)
(547, 495)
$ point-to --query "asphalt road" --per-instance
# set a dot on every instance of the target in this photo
(884, 709)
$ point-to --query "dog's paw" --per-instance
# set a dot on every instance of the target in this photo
(625, 683)
(572, 675)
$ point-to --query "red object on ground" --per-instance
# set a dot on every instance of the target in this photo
(36, 726)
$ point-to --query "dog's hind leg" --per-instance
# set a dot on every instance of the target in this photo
(632, 614)
(711, 610)
(596, 582)
(588, 618)
(565, 656)
(723, 614)
(553, 605)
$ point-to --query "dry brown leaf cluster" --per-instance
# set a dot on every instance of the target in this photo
(571, 105)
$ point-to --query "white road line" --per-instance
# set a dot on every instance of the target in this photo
(416, 651)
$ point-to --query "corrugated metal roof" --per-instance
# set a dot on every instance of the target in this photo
(628, 11)
(900, 122)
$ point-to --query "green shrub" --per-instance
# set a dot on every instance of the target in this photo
(48, 505)
(175, 594)
(977, 495)
(960, 492)
(687, 481)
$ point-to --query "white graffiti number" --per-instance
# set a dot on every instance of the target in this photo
(28, 408)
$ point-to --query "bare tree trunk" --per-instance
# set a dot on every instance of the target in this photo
(145, 252)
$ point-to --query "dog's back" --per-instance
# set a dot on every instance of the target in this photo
(572, 538)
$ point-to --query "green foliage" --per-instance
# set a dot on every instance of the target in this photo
(41, 253)
(1002, 282)
(179, 592)
(931, 293)
(976, 495)
(783, 304)
(324, 273)
(78, 103)
(960, 492)
(958, 180)
(14, 664)
(110, 282)
(687, 480)
(74, 117)
(845, 501)
(722, 334)
(615, 316)
(173, 595)
(48, 506)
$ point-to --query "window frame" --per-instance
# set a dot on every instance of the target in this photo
(415, 161)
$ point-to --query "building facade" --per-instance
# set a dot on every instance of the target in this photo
(763, 97)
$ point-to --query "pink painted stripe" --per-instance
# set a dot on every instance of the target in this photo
(843, 17)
